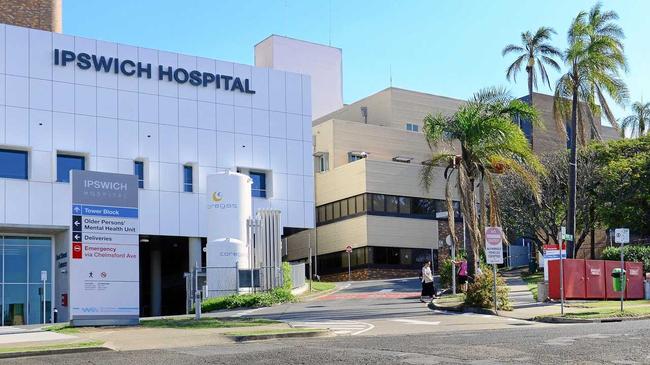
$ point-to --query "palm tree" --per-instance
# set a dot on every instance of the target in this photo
(489, 143)
(595, 58)
(638, 121)
(536, 52)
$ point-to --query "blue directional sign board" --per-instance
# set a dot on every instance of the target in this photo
(104, 260)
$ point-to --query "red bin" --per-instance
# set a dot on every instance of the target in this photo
(595, 277)
(634, 286)
(574, 279)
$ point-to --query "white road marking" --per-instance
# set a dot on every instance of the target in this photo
(415, 321)
(338, 327)
(246, 312)
(386, 290)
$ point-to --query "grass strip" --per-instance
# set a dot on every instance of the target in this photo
(62, 346)
(317, 286)
(266, 299)
(187, 323)
(62, 328)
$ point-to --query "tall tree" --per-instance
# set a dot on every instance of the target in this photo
(534, 51)
(638, 121)
(595, 59)
(489, 144)
(541, 221)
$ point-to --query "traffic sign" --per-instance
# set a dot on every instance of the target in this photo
(493, 245)
(567, 237)
(348, 249)
(622, 235)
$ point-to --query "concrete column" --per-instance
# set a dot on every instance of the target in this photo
(156, 281)
(194, 248)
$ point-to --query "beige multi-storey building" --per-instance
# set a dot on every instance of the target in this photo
(368, 158)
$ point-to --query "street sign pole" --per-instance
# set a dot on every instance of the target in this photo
(197, 293)
(562, 242)
(453, 267)
(494, 270)
(349, 271)
(622, 236)
(349, 251)
(624, 277)
(44, 279)
(494, 255)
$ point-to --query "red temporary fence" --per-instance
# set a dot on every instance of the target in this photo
(591, 279)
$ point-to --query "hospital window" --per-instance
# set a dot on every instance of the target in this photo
(259, 184)
(13, 164)
(412, 127)
(66, 163)
(138, 170)
(188, 181)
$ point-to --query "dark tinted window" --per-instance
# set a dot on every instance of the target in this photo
(66, 163)
(321, 214)
(352, 206)
(392, 203)
(259, 184)
(138, 170)
(378, 202)
(404, 205)
(424, 206)
(344, 208)
(329, 212)
(13, 164)
(361, 207)
(336, 207)
(188, 179)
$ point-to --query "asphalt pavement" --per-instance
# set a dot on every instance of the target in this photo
(379, 307)
(613, 343)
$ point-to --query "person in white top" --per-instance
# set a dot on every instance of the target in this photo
(427, 282)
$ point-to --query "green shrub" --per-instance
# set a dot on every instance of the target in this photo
(287, 283)
(480, 292)
(445, 270)
(445, 273)
(266, 299)
(630, 253)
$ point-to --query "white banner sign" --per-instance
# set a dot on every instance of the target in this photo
(493, 245)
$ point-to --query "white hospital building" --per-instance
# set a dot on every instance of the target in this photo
(171, 119)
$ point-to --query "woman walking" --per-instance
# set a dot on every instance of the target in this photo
(427, 282)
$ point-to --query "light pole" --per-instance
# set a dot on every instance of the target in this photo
(573, 173)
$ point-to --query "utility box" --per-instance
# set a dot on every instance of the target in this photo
(542, 291)
(647, 289)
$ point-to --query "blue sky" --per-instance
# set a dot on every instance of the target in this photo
(450, 48)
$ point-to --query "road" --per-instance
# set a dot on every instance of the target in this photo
(378, 308)
(620, 343)
(383, 322)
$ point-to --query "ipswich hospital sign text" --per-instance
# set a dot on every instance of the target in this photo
(127, 67)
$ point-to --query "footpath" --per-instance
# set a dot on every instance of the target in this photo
(524, 305)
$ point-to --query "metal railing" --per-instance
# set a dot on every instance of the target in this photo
(197, 288)
(297, 275)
